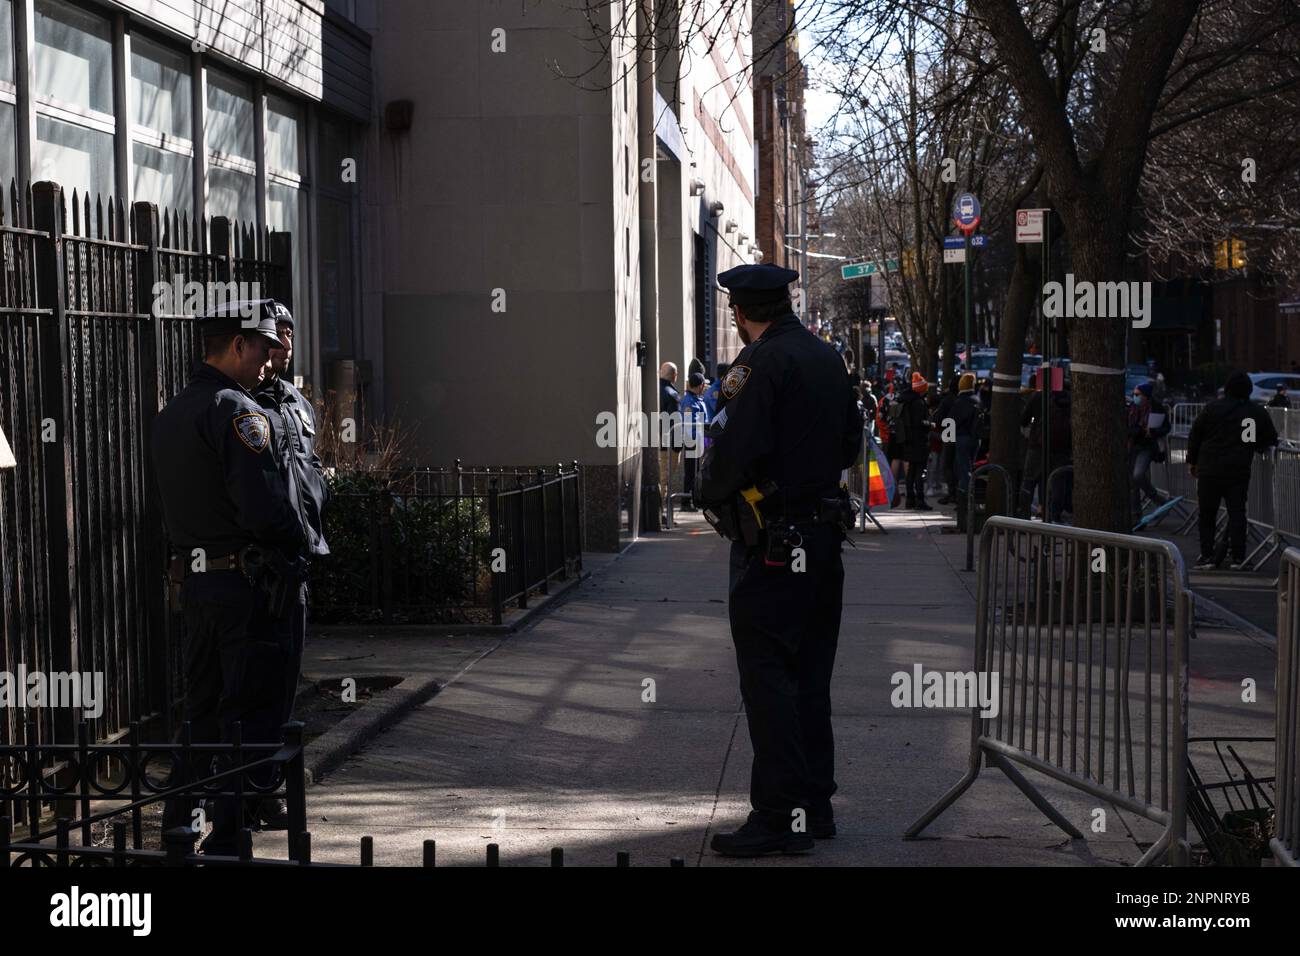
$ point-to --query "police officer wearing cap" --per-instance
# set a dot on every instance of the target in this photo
(787, 425)
(294, 425)
(228, 515)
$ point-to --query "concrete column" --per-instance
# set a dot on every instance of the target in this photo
(647, 196)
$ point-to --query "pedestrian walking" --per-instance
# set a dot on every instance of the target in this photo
(1279, 399)
(235, 534)
(966, 414)
(1224, 440)
(1148, 424)
(788, 425)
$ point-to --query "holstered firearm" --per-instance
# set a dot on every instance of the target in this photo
(278, 577)
(741, 518)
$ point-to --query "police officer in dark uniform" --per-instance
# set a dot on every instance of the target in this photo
(788, 424)
(232, 524)
(294, 424)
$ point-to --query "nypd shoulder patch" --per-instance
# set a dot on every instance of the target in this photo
(254, 430)
(735, 380)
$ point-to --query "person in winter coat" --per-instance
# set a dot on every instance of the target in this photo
(1223, 443)
(948, 460)
(1148, 422)
(915, 419)
(966, 414)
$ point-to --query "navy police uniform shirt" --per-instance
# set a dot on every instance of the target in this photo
(220, 482)
(294, 425)
(788, 415)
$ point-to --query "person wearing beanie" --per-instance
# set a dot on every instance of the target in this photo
(915, 440)
(1148, 423)
(1219, 457)
(966, 415)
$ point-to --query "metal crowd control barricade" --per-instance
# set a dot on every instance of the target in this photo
(1082, 635)
(1285, 843)
(1181, 417)
(1174, 480)
(1286, 497)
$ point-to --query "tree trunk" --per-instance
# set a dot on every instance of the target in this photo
(1004, 444)
(1101, 490)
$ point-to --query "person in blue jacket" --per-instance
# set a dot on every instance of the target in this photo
(696, 414)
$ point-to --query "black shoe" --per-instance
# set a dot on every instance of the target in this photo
(756, 839)
(821, 829)
(947, 500)
(273, 814)
(1205, 563)
(922, 506)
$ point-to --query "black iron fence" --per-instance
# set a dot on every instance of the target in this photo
(86, 362)
(445, 545)
(53, 791)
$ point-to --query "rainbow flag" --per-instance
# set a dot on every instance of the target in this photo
(880, 480)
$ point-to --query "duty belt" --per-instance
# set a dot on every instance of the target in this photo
(182, 567)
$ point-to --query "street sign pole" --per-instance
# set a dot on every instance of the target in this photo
(966, 269)
(966, 216)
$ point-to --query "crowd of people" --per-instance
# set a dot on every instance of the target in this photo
(935, 438)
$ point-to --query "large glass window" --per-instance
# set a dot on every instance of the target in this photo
(230, 118)
(283, 129)
(8, 144)
(75, 157)
(6, 42)
(162, 124)
(160, 90)
(74, 57)
(232, 194)
(163, 177)
(73, 92)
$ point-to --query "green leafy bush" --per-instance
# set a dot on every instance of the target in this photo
(424, 556)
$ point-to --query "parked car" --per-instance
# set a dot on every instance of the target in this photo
(1266, 384)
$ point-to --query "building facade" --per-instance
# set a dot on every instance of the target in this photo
(548, 209)
(245, 109)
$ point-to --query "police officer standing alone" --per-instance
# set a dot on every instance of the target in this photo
(293, 422)
(787, 426)
(230, 521)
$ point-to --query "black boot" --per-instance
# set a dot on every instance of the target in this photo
(961, 514)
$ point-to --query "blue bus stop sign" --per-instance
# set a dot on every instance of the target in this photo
(966, 213)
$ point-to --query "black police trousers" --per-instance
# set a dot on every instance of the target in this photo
(237, 661)
(785, 625)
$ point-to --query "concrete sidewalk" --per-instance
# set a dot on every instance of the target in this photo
(543, 738)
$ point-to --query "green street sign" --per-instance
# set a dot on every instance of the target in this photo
(858, 270)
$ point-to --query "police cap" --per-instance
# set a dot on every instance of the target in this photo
(249, 317)
(757, 284)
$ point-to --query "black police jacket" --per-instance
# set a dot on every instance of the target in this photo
(294, 424)
(787, 415)
(1215, 443)
(220, 483)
